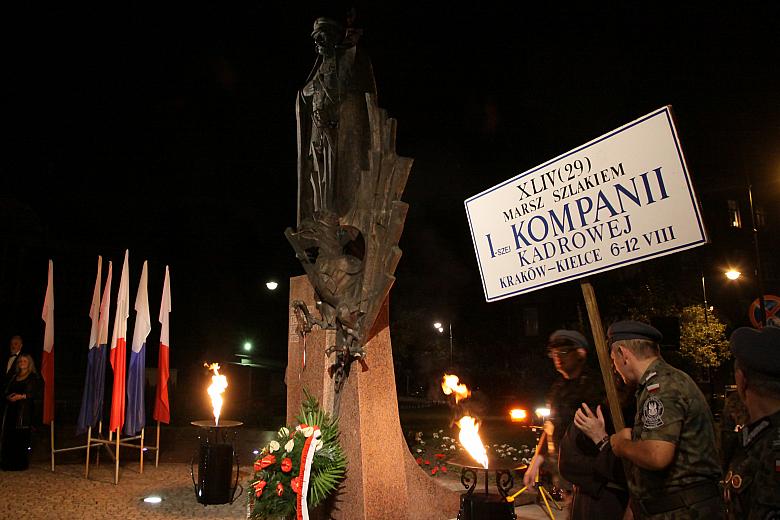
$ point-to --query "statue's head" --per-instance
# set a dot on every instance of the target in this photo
(327, 33)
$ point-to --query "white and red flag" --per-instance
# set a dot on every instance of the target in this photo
(135, 420)
(47, 363)
(162, 407)
(119, 350)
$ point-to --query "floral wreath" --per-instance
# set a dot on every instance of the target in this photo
(300, 468)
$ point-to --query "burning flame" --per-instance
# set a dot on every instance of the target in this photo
(469, 438)
(216, 389)
(450, 384)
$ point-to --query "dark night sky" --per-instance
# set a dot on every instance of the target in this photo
(171, 131)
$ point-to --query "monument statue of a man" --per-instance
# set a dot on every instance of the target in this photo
(333, 122)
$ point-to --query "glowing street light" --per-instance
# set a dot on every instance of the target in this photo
(439, 327)
(271, 285)
(733, 274)
(247, 346)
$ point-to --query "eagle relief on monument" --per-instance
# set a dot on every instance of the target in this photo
(350, 181)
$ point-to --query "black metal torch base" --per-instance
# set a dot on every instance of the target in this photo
(215, 474)
(479, 506)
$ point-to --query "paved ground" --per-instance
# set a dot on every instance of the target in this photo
(66, 494)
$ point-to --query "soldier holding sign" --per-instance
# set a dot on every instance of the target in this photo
(752, 483)
(674, 470)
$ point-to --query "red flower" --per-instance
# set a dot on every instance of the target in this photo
(279, 489)
(286, 464)
(443, 469)
(419, 460)
(265, 462)
(295, 484)
(427, 462)
(259, 486)
(434, 470)
(439, 456)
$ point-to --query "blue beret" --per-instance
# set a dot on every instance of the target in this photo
(758, 350)
(568, 336)
(630, 329)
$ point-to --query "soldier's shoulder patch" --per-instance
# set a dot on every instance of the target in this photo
(653, 388)
(652, 413)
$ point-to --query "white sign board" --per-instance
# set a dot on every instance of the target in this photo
(623, 198)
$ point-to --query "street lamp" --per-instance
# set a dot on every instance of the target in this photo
(733, 274)
(271, 285)
(438, 326)
(247, 346)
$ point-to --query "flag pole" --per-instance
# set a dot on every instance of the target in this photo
(89, 443)
(100, 434)
(51, 431)
(142, 452)
(116, 470)
(157, 450)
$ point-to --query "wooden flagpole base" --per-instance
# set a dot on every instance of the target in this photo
(157, 448)
(51, 430)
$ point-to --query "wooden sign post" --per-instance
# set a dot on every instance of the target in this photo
(602, 350)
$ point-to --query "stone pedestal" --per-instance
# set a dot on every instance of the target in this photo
(383, 480)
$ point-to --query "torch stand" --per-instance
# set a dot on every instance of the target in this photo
(216, 456)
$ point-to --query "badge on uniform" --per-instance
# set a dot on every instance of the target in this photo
(652, 413)
(653, 388)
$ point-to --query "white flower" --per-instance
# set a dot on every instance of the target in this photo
(273, 446)
(289, 446)
(318, 446)
(452, 447)
(284, 431)
(308, 431)
(435, 435)
(419, 450)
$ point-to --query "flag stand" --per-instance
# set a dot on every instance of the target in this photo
(125, 442)
(91, 441)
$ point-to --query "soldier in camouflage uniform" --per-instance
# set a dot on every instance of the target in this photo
(752, 483)
(578, 383)
(671, 450)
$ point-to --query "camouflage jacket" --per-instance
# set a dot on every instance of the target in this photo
(752, 483)
(671, 408)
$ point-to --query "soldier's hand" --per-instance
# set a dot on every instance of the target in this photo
(590, 424)
(619, 439)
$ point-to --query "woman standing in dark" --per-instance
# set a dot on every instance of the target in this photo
(20, 395)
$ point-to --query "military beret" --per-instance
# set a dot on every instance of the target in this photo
(758, 350)
(630, 329)
(568, 336)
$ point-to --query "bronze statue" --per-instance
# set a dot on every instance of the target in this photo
(350, 181)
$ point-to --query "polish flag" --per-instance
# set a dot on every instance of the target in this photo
(119, 350)
(162, 408)
(135, 420)
(47, 364)
(94, 380)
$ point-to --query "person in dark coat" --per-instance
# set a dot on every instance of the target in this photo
(20, 396)
(586, 460)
